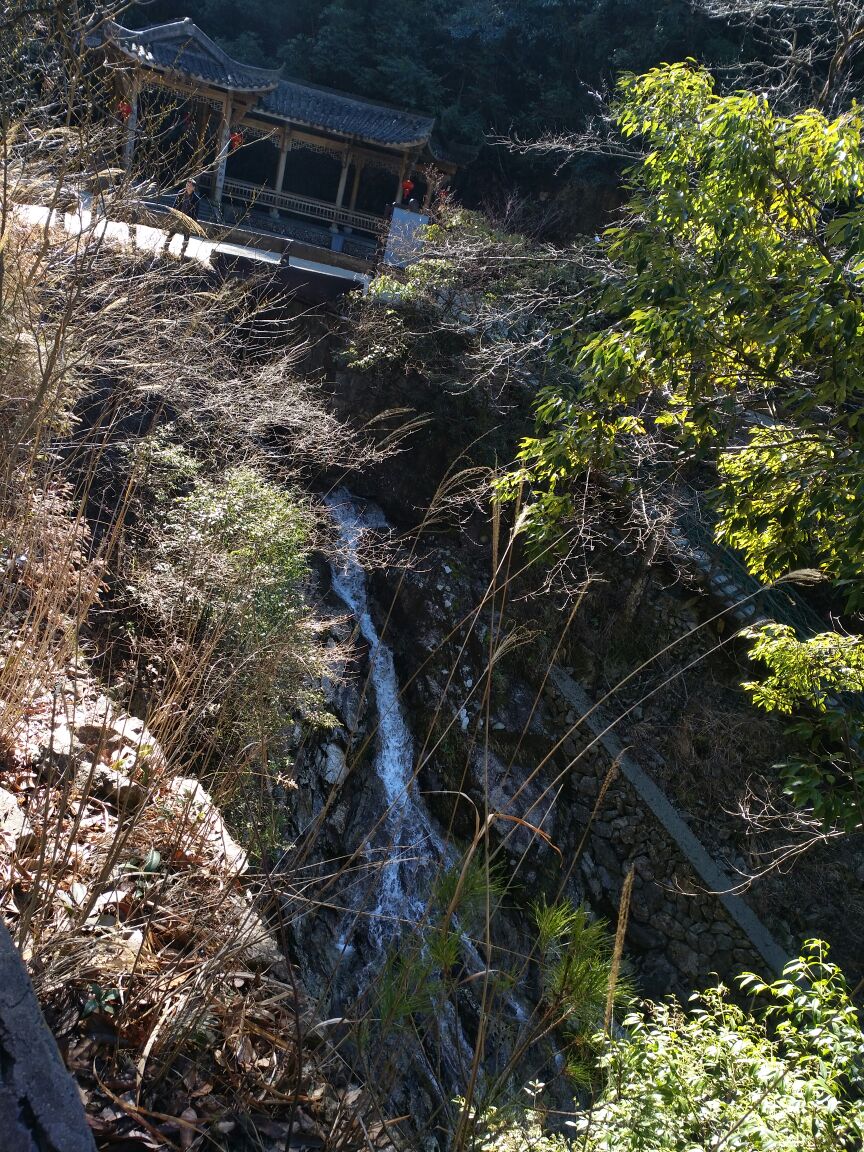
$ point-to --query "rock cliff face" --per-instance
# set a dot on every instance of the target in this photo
(509, 735)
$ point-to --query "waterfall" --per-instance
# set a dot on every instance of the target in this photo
(397, 895)
(400, 895)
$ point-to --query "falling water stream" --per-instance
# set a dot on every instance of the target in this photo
(398, 896)
(416, 848)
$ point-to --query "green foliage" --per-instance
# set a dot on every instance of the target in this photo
(162, 467)
(468, 890)
(736, 291)
(730, 333)
(786, 1077)
(822, 679)
(419, 976)
(240, 543)
(225, 574)
(473, 310)
(575, 970)
(804, 671)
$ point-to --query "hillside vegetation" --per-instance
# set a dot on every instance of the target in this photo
(301, 843)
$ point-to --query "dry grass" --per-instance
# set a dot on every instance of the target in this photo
(133, 907)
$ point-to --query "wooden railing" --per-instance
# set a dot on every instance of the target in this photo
(259, 197)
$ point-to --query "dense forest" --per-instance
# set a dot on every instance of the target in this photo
(432, 679)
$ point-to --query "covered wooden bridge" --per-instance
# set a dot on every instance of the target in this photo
(262, 143)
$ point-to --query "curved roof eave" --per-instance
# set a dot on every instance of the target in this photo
(138, 45)
(354, 137)
(181, 49)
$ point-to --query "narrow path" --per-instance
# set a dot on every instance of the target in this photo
(715, 878)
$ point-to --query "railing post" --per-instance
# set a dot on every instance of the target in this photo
(302, 205)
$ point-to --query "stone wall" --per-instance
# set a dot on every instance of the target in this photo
(686, 922)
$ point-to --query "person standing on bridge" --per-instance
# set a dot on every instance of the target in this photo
(189, 203)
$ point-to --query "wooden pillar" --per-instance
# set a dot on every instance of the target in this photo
(223, 144)
(355, 187)
(343, 180)
(131, 124)
(284, 146)
(402, 168)
(359, 165)
(202, 121)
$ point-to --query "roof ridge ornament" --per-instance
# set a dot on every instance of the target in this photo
(181, 48)
(186, 35)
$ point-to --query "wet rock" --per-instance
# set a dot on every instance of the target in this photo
(335, 769)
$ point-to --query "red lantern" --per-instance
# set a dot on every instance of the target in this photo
(236, 139)
(124, 110)
(407, 188)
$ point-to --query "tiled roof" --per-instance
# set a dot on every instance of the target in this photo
(330, 111)
(182, 47)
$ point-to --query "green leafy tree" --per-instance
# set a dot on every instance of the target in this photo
(786, 1077)
(729, 334)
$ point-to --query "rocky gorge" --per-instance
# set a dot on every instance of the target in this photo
(457, 778)
(512, 713)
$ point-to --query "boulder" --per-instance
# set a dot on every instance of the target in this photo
(59, 752)
(203, 829)
(258, 948)
(116, 952)
(108, 784)
(14, 825)
(122, 740)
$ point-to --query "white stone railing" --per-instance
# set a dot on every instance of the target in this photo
(260, 197)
